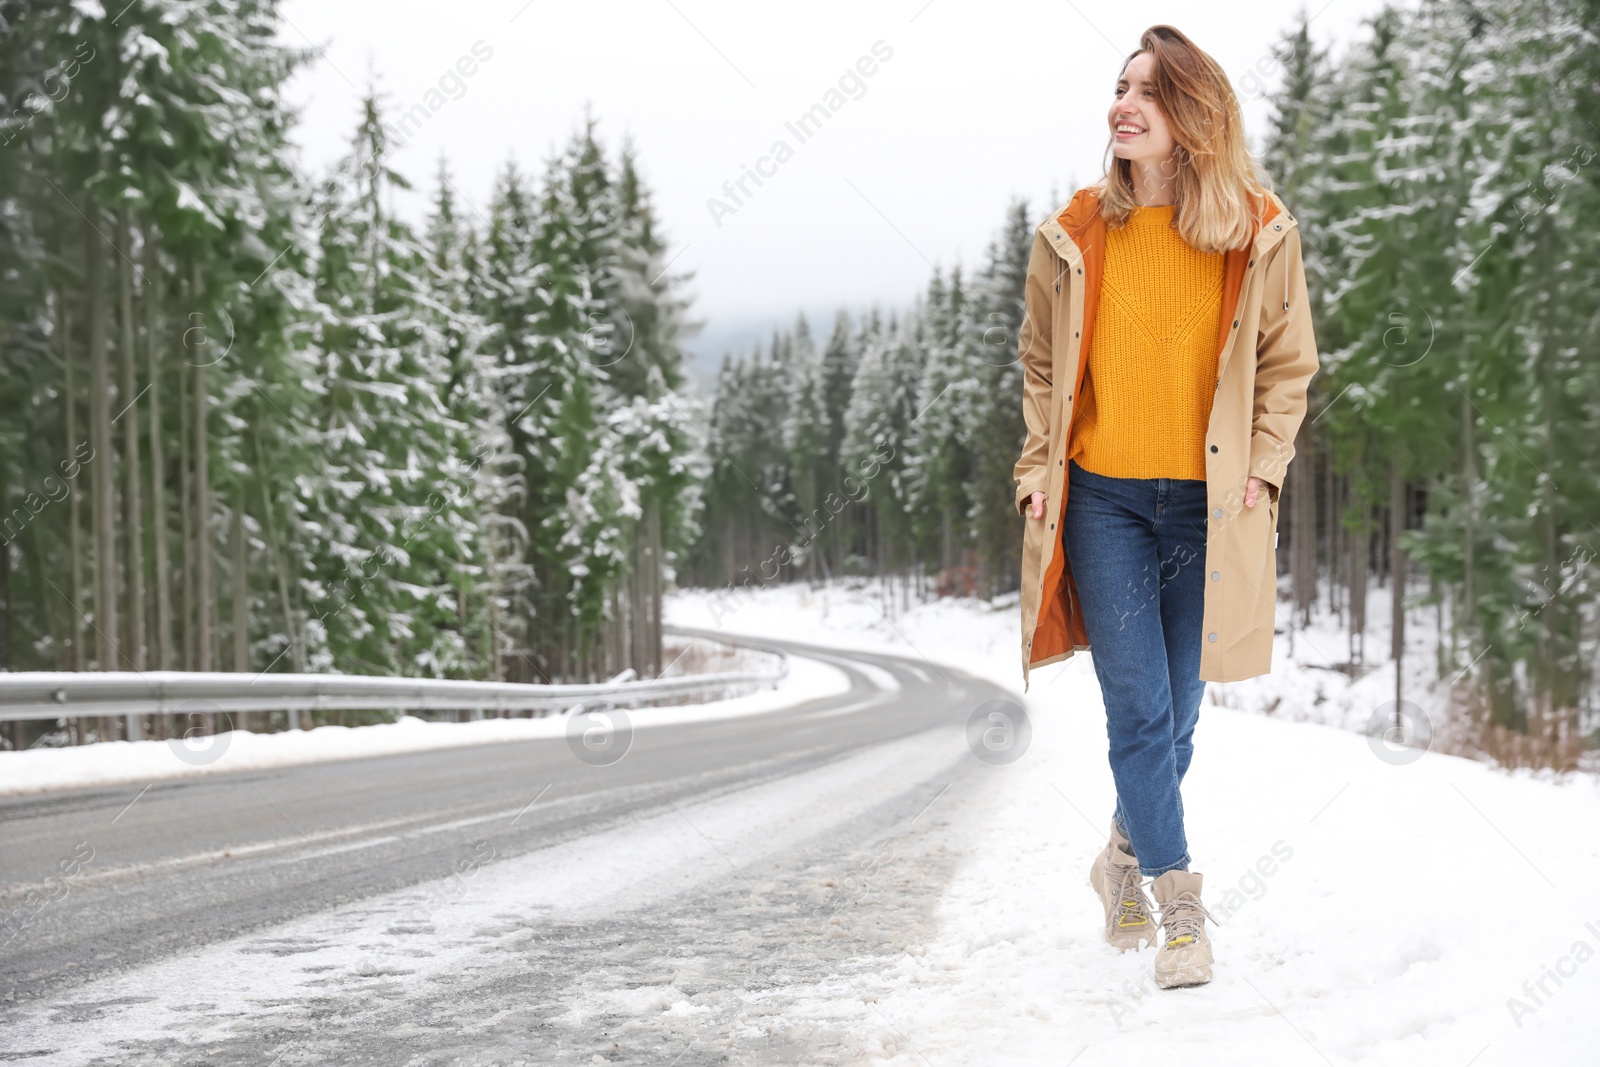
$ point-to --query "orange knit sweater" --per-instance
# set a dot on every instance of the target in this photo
(1151, 378)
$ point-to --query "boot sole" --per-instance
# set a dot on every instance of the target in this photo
(1185, 976)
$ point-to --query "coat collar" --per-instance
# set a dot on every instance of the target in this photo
(1078, 234)
(1076, 229)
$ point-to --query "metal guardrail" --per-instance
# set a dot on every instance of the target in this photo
(74, 694)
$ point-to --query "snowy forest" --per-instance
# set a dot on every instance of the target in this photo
(1444, 177)
(253, 420)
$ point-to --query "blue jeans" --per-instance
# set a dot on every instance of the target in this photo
(1137, 547)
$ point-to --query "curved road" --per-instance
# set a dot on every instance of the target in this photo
(701, 900)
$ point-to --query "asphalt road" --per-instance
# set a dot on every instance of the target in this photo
(695, 901)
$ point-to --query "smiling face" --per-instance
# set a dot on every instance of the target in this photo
(1138, 128)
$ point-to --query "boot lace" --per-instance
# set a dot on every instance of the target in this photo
(1180, 918)
(1134, 907)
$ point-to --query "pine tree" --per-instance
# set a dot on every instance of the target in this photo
(399, 520)
(939, 469)
(995, 436)
(877, 430)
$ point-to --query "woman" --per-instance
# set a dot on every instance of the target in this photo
(1166, 357)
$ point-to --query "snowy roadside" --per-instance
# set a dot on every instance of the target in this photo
(975, 635)
(643, 929)
(110, 762)
(1374, 906)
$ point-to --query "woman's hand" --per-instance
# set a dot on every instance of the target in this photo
(1036, 505)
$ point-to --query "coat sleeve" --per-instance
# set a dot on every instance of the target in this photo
(1286, 361)
(1034, 352)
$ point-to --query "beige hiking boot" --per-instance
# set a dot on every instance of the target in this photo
(1184, 957)
(1115, 876)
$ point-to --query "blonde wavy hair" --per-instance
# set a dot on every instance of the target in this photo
(1219, 187)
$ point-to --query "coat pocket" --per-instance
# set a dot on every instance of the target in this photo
(1033, 534)
(1252, 534)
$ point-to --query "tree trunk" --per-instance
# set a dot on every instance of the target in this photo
(241, 617)
(280, 567)
(494, 608)
(133, 472)
(103, 509)
(1397, 576)
(241, 614)
(657, 590)
(1465, 615)
(204, 601)
(158, 470)
(1301, 486)
(5, 597)
(103, 501)
(1437, 593)
(636, 635)
(1551, 678)
(1338, 562)
(1360, 549)
(74, 517)
(186, 518)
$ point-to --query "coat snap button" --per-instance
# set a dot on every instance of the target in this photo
(1052, 526)
(1216, 575)
(1077, 333)
(1217, 513)
(1211, 637)
(1080, 270)
(1236, 324)
(1251, 263)
(1277, 225)
(1058, 288)
(1213, 448)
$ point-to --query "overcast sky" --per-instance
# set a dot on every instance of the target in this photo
(975, 103)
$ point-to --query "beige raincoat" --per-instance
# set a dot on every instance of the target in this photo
(1267, 358)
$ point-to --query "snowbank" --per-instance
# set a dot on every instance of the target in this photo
(1369, 912)
(1374, 906)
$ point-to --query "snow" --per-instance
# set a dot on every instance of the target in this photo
(1372, 910)
(473, 925)
(189, 200)
(109, 762)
